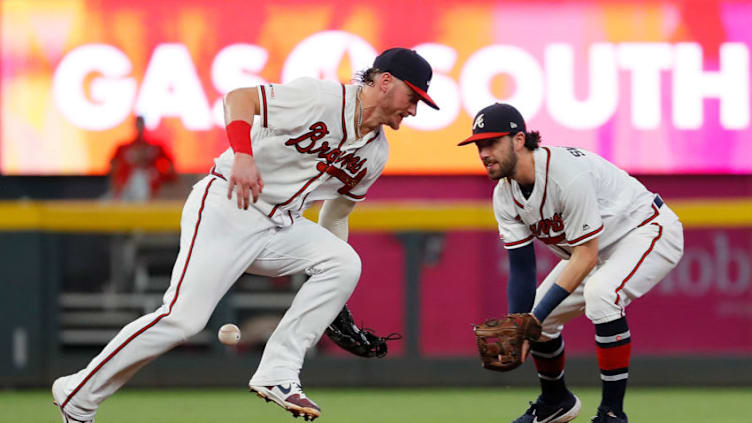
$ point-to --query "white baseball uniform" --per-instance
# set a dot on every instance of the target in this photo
(306, 149)
(579, 196)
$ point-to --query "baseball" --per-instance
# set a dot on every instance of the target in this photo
(229, 334)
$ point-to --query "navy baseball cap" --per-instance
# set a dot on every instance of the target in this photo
(495, 121)
(410, 67)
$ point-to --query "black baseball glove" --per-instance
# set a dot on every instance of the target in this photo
(361, 342)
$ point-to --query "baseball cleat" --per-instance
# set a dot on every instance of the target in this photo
(291, 397)
(605, 415)
(560, 412)
(57, 399)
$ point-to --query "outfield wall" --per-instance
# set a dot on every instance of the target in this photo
(430, 269)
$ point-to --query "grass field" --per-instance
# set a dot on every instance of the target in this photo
(499, 405)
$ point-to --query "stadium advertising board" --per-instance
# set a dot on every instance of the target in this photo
(656, 87)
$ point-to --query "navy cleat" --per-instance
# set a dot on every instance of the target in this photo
(560, 412)
(289, 396)
(605, 415)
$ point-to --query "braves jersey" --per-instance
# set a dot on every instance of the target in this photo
(306, 149)
(577, 196)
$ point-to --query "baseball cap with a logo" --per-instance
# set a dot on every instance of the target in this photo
(410, 67)
(495, 121)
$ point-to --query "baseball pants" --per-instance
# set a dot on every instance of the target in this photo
(626, 270)
(218, 242)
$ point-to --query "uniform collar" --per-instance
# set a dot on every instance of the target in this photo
(540, 159)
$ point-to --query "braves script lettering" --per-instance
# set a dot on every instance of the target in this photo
(543, 229)
(307, 144)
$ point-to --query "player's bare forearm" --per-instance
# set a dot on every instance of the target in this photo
(584, 257)
(241, 104)
(334, 216)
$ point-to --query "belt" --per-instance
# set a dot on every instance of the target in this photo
(658, 201)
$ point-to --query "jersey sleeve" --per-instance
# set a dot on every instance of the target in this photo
(372, 170)
(512, 231)
(581, 216)
(287, 107)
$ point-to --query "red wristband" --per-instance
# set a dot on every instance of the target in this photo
(239, 135)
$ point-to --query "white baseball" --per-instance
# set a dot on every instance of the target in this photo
(229, 334)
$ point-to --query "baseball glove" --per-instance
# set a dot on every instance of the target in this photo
(361, 342)
(500, 340)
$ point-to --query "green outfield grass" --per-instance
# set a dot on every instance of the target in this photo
(430, 405)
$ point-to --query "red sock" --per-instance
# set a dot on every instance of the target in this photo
(549, 361)
(614, 346)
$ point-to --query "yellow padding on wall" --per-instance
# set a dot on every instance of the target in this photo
(370, 216)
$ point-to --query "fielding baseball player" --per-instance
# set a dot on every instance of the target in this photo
(615, 238)
(291, 144)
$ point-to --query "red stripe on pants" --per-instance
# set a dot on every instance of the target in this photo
(160, 317)
(652, 244)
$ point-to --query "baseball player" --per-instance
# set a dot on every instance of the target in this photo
(291, 144)
(615, 238)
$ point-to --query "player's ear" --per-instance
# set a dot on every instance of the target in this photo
(384, 82)
(519, 141)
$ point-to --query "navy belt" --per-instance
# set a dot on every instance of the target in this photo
(658, 201)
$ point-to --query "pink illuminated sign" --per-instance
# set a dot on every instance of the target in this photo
(656, 87)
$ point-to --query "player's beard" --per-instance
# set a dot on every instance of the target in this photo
(506, 166)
